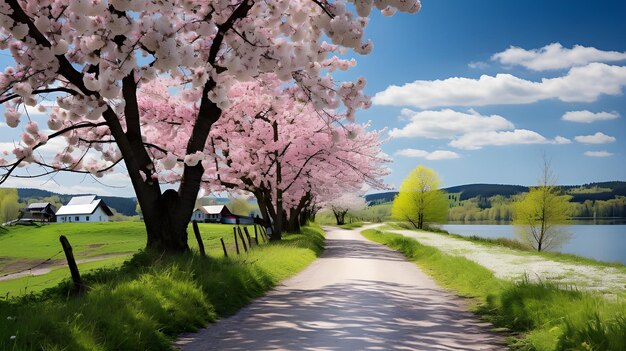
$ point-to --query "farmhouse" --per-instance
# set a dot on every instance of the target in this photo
(37, 212)
(84, 209)
(210, 214)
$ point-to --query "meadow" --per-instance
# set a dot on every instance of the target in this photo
(160, 296)
(23, 247)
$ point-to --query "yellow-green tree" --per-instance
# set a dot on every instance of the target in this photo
(420, 201)
(239, 206)
(540, 214)
(9, 207)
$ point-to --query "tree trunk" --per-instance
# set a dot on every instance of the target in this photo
(340, 216)
(420, 221)
(293, 223)
(167, 230)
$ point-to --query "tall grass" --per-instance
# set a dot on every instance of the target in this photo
(549, 317)
(150, 299)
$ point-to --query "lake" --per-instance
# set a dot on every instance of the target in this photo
(604, 242)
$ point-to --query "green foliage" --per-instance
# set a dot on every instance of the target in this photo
(239, 206)
(539, 216)
(549, 317)
(496, 208)
(9, 207)
(146, 302)
(420, 201)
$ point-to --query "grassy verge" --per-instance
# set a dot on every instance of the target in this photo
(351, 225)
(144, 303)
(544, 316)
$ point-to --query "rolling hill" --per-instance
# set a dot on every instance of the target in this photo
(579, 193)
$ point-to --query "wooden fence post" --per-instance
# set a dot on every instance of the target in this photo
(236, 243)
(256, 236)
(243, 241)
(245, 229)
(196, 231)
(79, 287)
(224, 247)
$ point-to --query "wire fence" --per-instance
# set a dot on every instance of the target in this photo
(33, 267)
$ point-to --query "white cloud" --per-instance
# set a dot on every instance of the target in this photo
(435, 155)
(2, 124)
(580, 84)
(598, 153)
(478, 65)
(588, 116)
(561, 140)
(446, 124)
(598, 138)
(477, 140)
(555, 56)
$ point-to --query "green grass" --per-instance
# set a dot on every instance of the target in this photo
(351, 225)
(144, 303)
(546, 316)
(34, 284)
(23, 247)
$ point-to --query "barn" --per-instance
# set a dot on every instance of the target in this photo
(210, 214)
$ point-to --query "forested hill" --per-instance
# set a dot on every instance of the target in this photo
(123, 205)
(579, 193)
(486, 190)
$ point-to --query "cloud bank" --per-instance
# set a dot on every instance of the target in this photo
(555, 56)
(589, 117)
(598, 138)
(433, 156)
(580, 84)
(598, 154)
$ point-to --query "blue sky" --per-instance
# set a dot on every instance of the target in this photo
(457, 39)
(487, 113)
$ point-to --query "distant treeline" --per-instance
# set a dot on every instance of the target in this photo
(494, 202)
(500, 208)
(579, 193)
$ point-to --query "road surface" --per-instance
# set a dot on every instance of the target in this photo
(358, 296)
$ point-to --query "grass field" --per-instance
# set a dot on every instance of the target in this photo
(144, 303)
(547, 316)
(22, 247)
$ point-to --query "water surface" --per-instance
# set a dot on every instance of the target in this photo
(604, 242)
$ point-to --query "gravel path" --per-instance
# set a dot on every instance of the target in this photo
(514, 265)
(358, 296)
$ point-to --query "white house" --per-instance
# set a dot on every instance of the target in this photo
(210, 214)
(84, 209)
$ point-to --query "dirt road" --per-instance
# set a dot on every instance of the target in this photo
(358, 296)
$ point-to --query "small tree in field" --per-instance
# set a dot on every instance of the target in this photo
(420, 201)
(541, 213)
(344, 204)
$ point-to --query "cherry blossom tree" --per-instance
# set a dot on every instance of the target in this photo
(288, 153)
(345, 203)
(98, 58)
